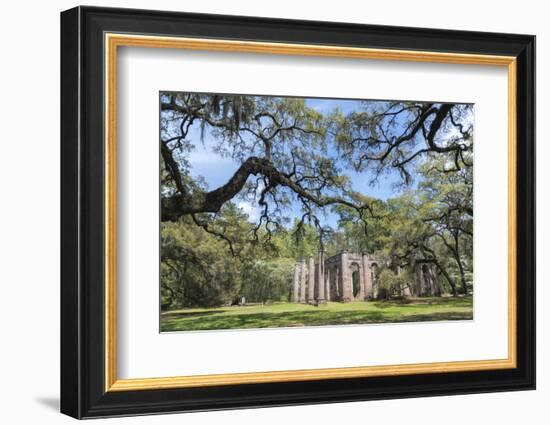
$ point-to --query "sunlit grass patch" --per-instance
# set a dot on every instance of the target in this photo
(332, 313)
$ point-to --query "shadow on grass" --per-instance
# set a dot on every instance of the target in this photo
(185, 314)
(426, 302)
(433, 317)
(303, 318)
(393, 303)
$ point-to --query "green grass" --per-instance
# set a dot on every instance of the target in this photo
(289, 315)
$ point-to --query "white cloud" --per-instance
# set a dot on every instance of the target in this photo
(251, 209)
(205, 157)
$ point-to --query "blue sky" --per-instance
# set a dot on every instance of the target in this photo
(216, 169)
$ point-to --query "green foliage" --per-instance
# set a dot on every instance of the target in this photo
(430, 224)
(192, 270)
(268, 280)
(391, 284)
(217, 257)
(198, 269)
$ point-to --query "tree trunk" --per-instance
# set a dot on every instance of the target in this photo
(460, 266)
(449, 279)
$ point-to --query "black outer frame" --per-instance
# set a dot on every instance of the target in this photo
(82, 218)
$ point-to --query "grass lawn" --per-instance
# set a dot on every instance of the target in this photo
(333, 313)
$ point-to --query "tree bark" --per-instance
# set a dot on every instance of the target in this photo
(175, 206)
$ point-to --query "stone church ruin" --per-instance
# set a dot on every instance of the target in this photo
(349, 276)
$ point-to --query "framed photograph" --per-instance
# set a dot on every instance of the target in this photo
(261, 212)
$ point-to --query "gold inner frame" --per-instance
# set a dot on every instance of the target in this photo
(113, 41)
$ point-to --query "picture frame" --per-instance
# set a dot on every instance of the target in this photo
(90, 39)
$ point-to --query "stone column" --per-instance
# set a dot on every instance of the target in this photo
(361, 276)
(373, 271)
(296, 284)
(367, 276)
(321, 278)
(327, 283)
(436, 284)
(435, 289)
(337, 284)
(420, 281)
(311, 280)
(430, 281)
(303, 281)
(347, 292)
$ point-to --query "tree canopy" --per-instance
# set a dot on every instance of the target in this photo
(295, 163)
